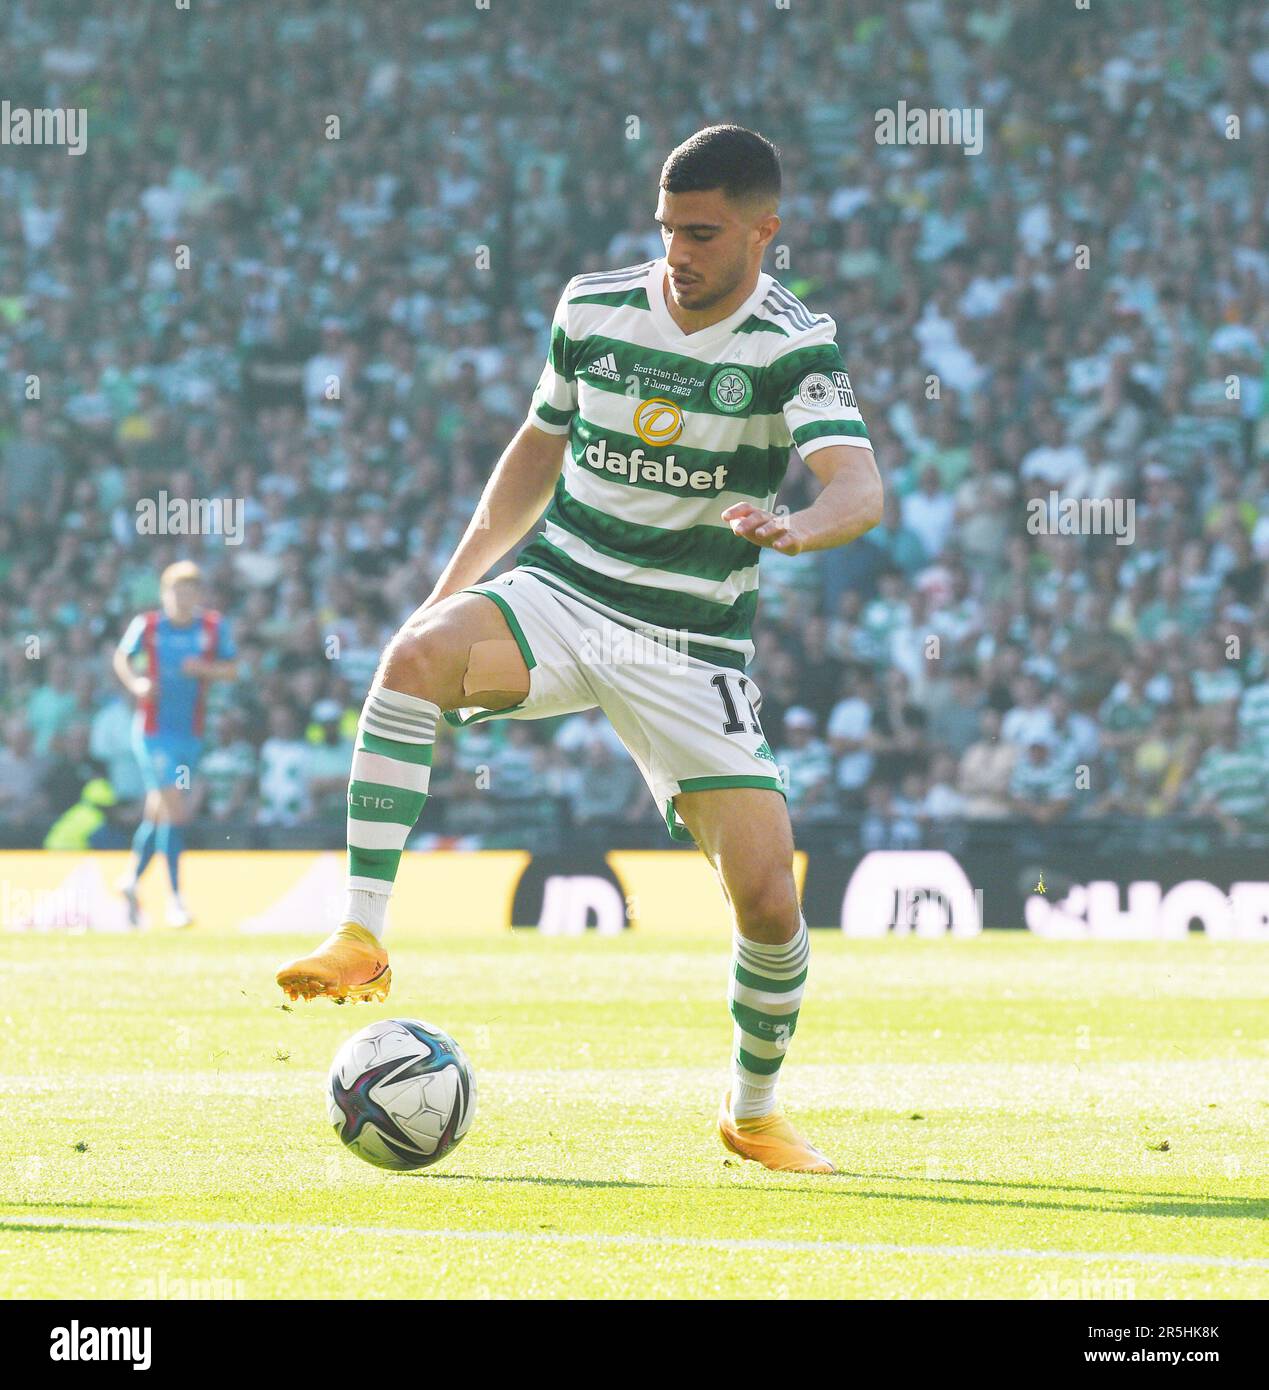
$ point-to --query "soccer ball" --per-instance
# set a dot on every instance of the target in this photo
(401, 1094)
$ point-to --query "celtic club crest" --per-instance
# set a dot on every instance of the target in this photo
(731, 390)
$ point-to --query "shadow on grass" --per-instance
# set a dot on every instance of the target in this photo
(842, 1184)
(55, 1228)
(1172, 1203)
(1003, 1183)
(19, 1207)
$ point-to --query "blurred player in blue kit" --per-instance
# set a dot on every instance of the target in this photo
(185, 647)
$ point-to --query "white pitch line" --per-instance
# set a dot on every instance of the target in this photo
(836, 1247)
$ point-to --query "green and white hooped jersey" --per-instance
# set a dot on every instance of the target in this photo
(667, 429)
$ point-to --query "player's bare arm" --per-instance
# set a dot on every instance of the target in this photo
(136, 685)
(849, 504)
(514, 498)
(462, 652)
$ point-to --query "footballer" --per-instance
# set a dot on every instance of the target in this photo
(657, 439)
(185, 647)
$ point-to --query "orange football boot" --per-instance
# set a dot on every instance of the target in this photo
(349, 964)
(771, 1141)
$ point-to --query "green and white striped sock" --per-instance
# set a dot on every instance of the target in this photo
(392, 762)
(765, 995)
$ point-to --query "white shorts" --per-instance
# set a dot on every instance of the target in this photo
(688, 724)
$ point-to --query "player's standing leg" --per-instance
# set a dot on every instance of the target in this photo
(152, 757)
(170, 841)
(144, 843)
(745, 834)
(162, 830)
(456, 653)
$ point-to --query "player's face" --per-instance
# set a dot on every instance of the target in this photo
(713, 246)
(181, 599)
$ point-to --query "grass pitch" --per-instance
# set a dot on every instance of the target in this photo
(1013, 1118)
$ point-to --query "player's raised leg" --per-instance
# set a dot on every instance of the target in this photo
(745, 834)
(453, 654)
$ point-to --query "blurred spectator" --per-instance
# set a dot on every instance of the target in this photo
(898, 737)
(284, 790)
(110, 744)
(1253, 718)
(330, 752)
(517, 767)
(1077, 739)
(1040, 787)
(23, 779)
(1216, 680)
(985, 775)
(942, 799)
(850, 731)
(884, 825)
(70, 767)
(32, 467)
(228, 773)
(1031, 719)
(608, 783)
(51, 707)
(1230, 780)
(1127, 712)
(954, 713)
(930, 512)
(806, 767)
(580, 731)
(1162, 761)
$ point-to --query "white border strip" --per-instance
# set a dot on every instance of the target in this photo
(838, 1247)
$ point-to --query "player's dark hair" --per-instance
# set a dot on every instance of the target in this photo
(741, 162)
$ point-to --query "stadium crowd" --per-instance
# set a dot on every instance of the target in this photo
(308, 261)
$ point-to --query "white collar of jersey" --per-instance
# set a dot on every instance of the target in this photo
(703, 337)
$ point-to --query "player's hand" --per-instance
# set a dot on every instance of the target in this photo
(764, 528)
(141, 686)
(193, 666)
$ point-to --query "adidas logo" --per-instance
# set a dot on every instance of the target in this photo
(605, 366)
